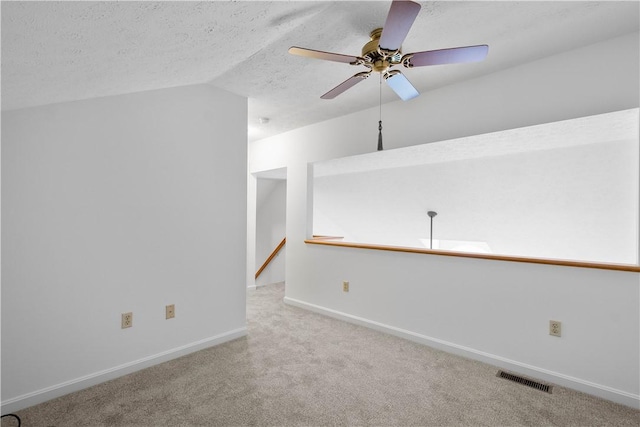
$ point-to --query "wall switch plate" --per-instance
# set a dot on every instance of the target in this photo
(127, 320)
(555, 328)
(345, 286)
(170, 311)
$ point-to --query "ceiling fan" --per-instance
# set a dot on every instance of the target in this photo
(383, 52)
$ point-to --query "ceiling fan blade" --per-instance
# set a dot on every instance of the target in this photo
(453, 55)
(318, 54)
(399, 21)
(400, 85)
(347, 84)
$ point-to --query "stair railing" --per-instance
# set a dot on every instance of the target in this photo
(272, 256)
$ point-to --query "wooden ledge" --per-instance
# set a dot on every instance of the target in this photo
(329, 241)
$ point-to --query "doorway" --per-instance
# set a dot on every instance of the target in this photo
(270, 227)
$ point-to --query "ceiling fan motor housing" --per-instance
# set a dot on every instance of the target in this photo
(379, 60)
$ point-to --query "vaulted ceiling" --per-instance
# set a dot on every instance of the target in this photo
(65, 51)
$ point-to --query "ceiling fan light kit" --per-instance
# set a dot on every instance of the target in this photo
(383, 52)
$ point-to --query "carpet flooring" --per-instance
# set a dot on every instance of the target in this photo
(297, 368)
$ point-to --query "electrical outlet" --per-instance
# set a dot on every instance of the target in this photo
(170, 311)
(555, 328)
(127, 320)
(345, 286)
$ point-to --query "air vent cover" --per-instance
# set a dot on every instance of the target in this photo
(525, 381)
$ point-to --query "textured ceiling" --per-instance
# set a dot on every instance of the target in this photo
(63, 51)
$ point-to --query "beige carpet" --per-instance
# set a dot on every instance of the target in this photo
(297, 368)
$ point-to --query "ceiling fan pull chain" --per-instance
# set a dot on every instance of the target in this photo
(380, 121)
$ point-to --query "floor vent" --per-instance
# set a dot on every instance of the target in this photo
(525, 381)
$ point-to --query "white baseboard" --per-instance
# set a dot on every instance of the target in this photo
(615, 395)
(48, 393)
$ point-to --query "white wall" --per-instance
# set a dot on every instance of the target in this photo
(455, 303)
(271, 229)
(118, 204)
(575, 202)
